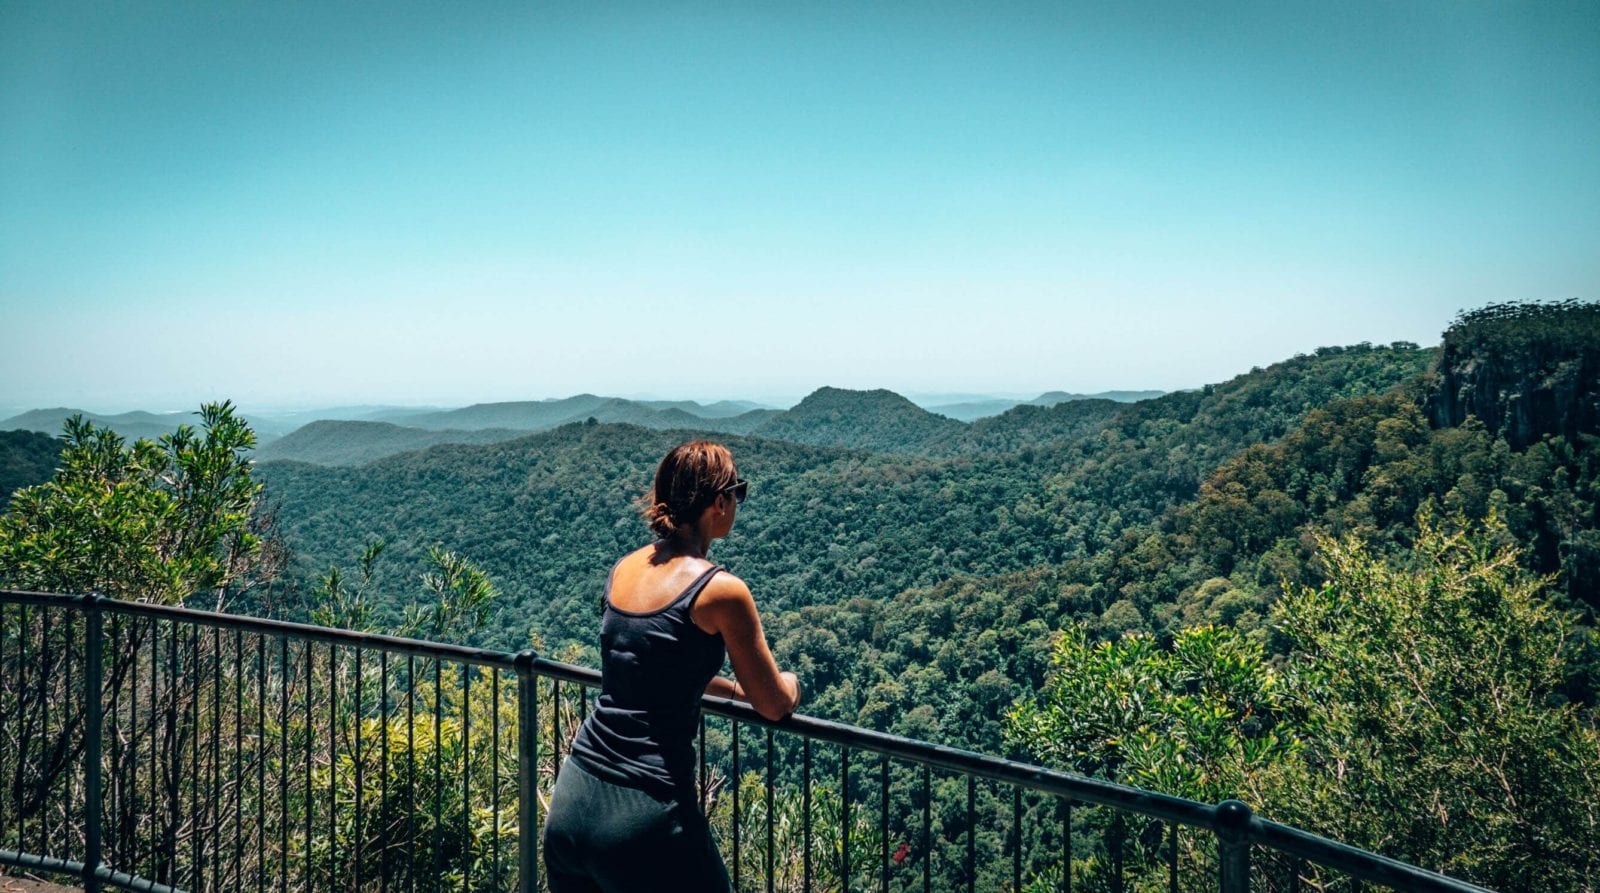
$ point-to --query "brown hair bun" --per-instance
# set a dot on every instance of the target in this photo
(687, 481)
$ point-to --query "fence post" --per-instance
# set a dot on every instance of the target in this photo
(527, 774)
(1232, 825)
(93, 658)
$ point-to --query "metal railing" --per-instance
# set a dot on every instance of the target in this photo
(159, 749)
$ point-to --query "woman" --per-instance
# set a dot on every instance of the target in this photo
(624, 815)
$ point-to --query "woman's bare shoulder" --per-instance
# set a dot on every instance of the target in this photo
(724, 604)
(725, 586)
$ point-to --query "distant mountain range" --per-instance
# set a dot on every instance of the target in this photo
(878, 420)
(542, 415)
(972, 410)
(342, 442)
(133, 425)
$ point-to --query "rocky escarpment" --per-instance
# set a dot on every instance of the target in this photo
(1525, 370)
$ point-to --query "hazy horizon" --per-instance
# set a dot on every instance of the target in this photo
(333, 204)
(922, 398)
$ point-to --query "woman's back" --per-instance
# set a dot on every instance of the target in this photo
(655, 664)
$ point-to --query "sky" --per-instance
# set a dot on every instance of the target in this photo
(291, 204)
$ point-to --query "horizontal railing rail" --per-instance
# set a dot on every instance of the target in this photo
(149, 678)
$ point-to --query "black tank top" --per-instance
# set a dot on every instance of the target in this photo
(654, 667)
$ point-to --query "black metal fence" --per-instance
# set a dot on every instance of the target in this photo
(155, 748)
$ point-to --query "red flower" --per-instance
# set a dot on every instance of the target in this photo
(901, 853)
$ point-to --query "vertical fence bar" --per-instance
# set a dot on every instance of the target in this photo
(24, 633)
(333, 766)
(92, 719)
(1066, 846)
(805, 812)
(438, 765)
(112, 851)
(410, 778)
(734, 782)
(261, 764)
(283, 764)
(1172, 857)
(4, 610)
(702, 756)
(214, 806)
(356, 860)
(1232, 824)
(46, 678)
(22, 748)
(197, 866)
(883, 824)
(466, 777)
(69, 663)
(1016, 838)
(309, 803)
(927, 827)
(555, 728)
(155, 791)
(130, 788)
(844, 819)
(238, 751)
(1117, 834)
(383, 760)
(770, 842)
(494, 771)
(527, 755)
(972, 834)
(170, 745)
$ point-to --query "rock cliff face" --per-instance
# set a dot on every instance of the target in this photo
(1524, 370)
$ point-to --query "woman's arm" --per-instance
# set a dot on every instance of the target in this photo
(727, 607)
(723, 687)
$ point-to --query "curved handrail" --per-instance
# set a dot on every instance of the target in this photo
(1231, 820)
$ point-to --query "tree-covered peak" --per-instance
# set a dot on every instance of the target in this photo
(1524, 370)
(874, 420)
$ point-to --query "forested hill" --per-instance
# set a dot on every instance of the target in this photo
(131, 425)
(542, 415)
(936, 662)
(329, 442)
(874, 420)
(546, 514)
(26, 458)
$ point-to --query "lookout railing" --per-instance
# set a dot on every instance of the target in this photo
(156, 748)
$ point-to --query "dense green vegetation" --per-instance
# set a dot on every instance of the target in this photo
(545, 515)
(331, 442)
(164, 521)
(26, 458)
(1411, 716)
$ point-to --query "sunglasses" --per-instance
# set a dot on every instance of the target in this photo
(739, 489)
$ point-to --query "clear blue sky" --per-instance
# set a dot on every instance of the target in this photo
(447, 203)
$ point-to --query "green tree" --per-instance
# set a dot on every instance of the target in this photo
(158, 521)
(1428, 696)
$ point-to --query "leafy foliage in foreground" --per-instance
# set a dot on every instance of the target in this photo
(153, 521)
(1413, 716)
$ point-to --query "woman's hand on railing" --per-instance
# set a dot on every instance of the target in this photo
(723, 687)
(791, 684)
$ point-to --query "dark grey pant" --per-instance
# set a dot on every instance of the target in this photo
(605, 838)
